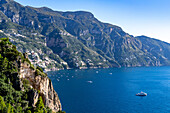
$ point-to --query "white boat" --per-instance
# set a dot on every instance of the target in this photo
(90, 81)
(141, 94)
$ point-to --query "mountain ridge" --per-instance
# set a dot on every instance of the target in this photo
(79, 40)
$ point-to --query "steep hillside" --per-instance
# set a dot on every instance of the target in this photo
(32, 42)
(160, 50)
(24, 88)
(78, 39)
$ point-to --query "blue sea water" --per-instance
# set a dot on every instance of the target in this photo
(113, 90)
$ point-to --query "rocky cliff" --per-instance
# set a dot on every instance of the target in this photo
(26, 84)
(42, 84)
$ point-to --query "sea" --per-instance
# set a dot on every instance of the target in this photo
(113, 90)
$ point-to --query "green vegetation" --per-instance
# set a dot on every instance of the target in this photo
(38, 72)
(12, 98)
(9, 83)
(2, 105)
(39, 68)
(40, 106)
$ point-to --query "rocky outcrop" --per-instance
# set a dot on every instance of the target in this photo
(25, 84)
(42, 84)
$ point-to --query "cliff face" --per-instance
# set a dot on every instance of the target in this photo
(22, 85)
(42, 84)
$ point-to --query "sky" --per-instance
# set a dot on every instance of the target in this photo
(136, 17)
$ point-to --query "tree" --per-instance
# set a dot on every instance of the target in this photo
(9, 108)
(19, 109)
(4, 64)
(2, 104)
(39, 106)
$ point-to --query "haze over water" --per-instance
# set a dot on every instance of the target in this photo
(113, 90)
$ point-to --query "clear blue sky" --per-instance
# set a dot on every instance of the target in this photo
(136, 17)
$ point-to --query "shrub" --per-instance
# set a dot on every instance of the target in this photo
(49, 110)
(39, 106)
(2, 104)
(19, 109)
(38, 72)
(32, 67)
(25, 81)
(28, 111)
(39, 68)
(9, 108)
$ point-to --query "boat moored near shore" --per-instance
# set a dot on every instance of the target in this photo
(141, 94)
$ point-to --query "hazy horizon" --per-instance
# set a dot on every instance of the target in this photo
(142, 17)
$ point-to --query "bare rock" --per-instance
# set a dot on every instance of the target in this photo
(42, 84)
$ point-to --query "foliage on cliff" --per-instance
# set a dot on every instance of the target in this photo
(14, 92)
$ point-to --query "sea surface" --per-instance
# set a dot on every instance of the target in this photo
(113, 90)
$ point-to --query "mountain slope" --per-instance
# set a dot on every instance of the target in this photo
(79, 40)
(160, 50)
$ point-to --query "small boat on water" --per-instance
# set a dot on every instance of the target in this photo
(141, 94)
(90, 82)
